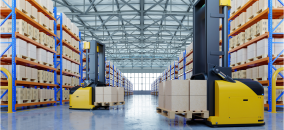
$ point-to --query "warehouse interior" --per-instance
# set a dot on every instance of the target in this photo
(142, 64)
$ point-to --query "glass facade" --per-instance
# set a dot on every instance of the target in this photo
(142, 81)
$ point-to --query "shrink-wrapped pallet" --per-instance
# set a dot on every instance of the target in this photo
(64, 19)
(242, 55)
(28, 7)
(41, 94)
(251, 51)
(20, 71)
(34, 75)
(233, 58)
(34, 13)
(249, 13)
(49, 58)
(241, 38)
(42, 38)
(31, 51)
(263, 5)
(41, 3)
(41, 75)
(280, 28)
(41, 55)
(255, 8)
(41, 18)
(30, 30)
(253, 29)
(242, 18)
(263, 72)
(262, 47)
(28, 72)
(35, 34)
(35, 95)
(49, 5)
(21, 94)
(254, 72)
(262, 27)
(248, 34)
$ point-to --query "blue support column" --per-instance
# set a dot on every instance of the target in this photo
(184, 61)
(61, 52)
(13, 55)
(81, 59)
(270, 53)
(54, 54)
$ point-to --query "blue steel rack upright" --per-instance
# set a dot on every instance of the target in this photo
(271, 60)
(60, 63)
(13, 45)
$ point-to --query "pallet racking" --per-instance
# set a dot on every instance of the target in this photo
(13, 13)
(269, 13)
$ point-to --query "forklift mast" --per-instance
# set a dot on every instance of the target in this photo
(95, 64)
(206, 15)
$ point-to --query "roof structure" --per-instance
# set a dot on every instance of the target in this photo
(137, 33)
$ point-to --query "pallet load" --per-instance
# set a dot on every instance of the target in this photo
(109, 96)
(183, 97)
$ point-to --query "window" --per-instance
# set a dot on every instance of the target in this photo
(142, 81)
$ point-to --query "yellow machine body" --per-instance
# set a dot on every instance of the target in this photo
(81, 99)
(236, 103)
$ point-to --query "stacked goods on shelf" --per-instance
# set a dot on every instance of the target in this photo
(189, 61)
(66, 22)
(182, 96)
(174, 70)
(65, 94)
(30, 95)
(249, 45)
(278, 93)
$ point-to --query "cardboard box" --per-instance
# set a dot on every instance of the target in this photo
(42, 93)
(161, 101)
(120, 98)
(41, 75)
(99, 98)
(21, 94)
(30, 30)
(41, 18)
(242, 55)
(253, 29)
(177, 87)
(162, 88)
(110, 91)
(198, 103)
(262, 47)
(120, 90)
(100, 90)
(255, 8)
(34, 73)
(249, 73)
(28, 72)
(248, 34)
(198, 87)
(262, 27)
(110, 97)
(28, 8)
(251, 51)
(177, 103)
(242, 74)
(254, 72)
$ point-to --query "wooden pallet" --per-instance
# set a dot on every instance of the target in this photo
(232, 65)
(20, 56)
(261, 79)
(250, 60)
(67, 70)
(23, 79)
(43, 63)
(34, 80)
(241, 63)
(186, 114)
(109, 103)
(33, 60)
(43, 81)
(262, 56)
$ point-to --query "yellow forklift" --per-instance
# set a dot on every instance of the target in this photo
(231, 102)
(83, 97)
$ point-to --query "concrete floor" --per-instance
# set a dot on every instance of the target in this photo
(138, 113)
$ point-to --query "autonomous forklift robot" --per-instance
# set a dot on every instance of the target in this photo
(231, 102)
(83, 97)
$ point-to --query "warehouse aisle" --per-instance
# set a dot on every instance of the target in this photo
(138, 113)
